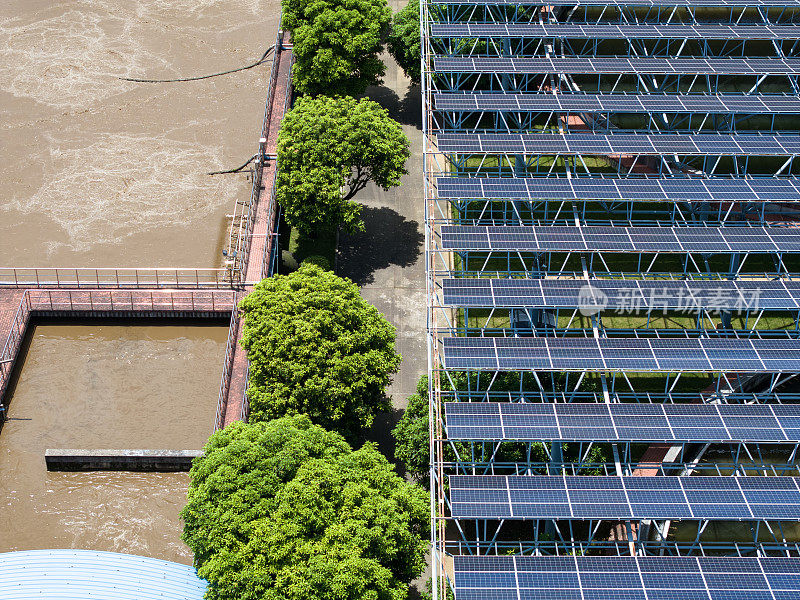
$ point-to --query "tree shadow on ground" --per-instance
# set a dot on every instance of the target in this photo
(388, 239)
(381, 434)
(407, 111)
(414, 592)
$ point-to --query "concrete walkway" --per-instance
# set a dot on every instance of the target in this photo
(387, 261)
(261, 241)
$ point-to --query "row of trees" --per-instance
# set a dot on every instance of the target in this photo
(328, 150)
(404, 40)
(330, 144)
(283, 508)
(337, 43)
(316, 347)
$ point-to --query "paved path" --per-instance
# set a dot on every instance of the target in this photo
(387, 261)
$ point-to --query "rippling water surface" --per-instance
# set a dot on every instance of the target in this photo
(95, 171)
(102, 172)
(105, 386)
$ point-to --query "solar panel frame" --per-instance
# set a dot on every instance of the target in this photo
(630, 577)
(645, 3)
(468, 421)
(581, 497)
(643, 189)
(651, 354)
(617, 65)
(593, 238)
(699, 144)
(774, 294)
(658, 31)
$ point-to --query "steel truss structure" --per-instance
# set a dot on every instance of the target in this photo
(612, 226)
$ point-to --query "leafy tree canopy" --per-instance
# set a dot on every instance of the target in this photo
(285, 510)
(336, 44)
(412, 437)
(404, 42)
(327, 145)
(316, 347)
(412, 447)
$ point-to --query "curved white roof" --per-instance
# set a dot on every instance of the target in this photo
(89, 575)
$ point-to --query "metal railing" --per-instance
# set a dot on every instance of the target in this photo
(269, 247)
(272, 209)
(12, 343)
(238, 250)
(245, 402)
(40, 301)
(82, 277)
(227, 370)
(49, 301)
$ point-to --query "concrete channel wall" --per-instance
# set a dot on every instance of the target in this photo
(120, 460)
(18, 306)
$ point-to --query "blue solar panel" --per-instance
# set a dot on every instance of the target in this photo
(622, 354)
(623, 422)
(610, 31)
(621, 239)
(628, 294)
(618, 65)
(718, 144)
(643, 189)
(625, 578)
(627, 497)
(691, 3)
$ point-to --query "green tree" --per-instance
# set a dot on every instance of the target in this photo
(412, 436)
(336, 44)
(242, 469)
(328, 150)
(404, 42)
(412, 447)
(285, 510)
(316, 347)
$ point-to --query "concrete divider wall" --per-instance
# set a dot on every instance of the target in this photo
(120, 460)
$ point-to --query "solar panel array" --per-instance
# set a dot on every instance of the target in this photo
(462, 137)
(645, 189)
(638, 294)
(721, 354)
(597, 238)
(643, 3)
(618, 65)
(701, 144)
(622, 103)
(585, 497)
(609, 31)
(478, 421)
(625, 578)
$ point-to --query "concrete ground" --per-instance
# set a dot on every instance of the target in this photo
(387, 260)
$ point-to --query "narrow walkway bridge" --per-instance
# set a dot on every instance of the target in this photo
(166, 293)
(233, 398)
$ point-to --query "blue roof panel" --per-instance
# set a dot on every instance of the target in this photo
(91, 575)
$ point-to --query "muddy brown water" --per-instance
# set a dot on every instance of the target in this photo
(99, 172)
(105, 386)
